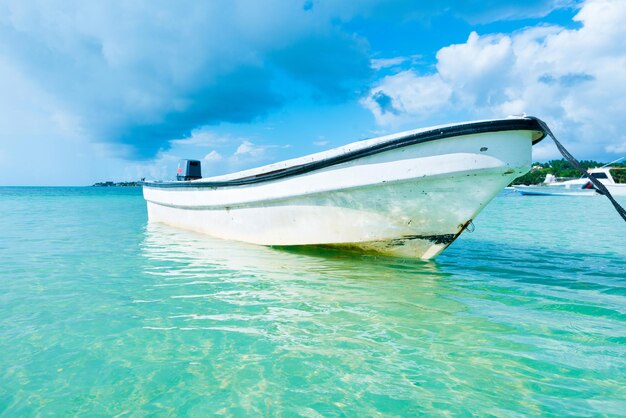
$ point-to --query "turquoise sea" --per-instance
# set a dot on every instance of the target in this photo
(102, 314)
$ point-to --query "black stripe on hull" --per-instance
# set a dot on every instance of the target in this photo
(502, 125)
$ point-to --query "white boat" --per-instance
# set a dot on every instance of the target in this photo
(409, 194)
(576, 187)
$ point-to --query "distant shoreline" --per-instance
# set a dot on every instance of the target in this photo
(117, 184)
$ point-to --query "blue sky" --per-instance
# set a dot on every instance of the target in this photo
(122, 90)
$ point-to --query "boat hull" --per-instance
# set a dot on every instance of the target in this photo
(411, 201)
(554, 191)
(616, 189)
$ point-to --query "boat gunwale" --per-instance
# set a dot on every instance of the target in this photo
(528, 123)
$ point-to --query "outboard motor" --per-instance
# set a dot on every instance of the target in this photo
(189, 170)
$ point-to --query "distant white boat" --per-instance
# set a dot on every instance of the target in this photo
(410, 194)
(577, 187)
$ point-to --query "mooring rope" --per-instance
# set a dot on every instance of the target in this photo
(570, 158)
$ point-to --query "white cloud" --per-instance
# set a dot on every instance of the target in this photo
(162, 167)
(213, 156)
(378, 63)
(407, 95)
(248, 149)
(201, 138)
(619, 148)
(382, 63)
(143, 73)
(477, 69)
(575, 79)
(53, 151)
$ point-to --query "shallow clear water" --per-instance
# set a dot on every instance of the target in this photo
(102, 315)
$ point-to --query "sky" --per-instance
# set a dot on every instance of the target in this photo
(121, 90)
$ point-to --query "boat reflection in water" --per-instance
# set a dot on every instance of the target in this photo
(185, 252)
(202, 283)
(257, 331)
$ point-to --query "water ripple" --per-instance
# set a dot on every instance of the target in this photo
(102, 314)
